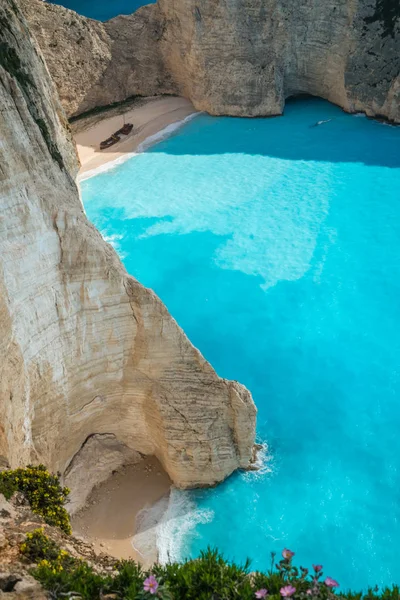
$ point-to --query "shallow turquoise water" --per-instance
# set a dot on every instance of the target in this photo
(275, 246)
(102, 10)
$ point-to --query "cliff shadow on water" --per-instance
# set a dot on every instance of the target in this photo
(310, 129)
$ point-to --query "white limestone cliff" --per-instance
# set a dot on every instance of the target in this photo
(242, 58)
(85, 349)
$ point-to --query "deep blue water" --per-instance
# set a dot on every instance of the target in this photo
(275, 245)
(102, 10)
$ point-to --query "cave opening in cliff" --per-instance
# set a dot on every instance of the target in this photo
(112, 486)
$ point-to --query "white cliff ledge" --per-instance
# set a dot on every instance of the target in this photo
(85, 349)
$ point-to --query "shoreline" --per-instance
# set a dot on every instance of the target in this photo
(153, 119)
(109, 520)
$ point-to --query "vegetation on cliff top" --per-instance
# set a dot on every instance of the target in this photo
(210, 577)
(42, 490)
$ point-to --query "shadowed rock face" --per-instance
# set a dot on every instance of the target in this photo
(84, 348)
(228, 56)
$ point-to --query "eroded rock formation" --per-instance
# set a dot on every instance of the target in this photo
(229, 57)
(95, 64)
(84, 348)
(246, 58)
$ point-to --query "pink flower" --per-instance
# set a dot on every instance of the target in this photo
(287, 554)
(309, 592)
(287, 591)
(150, 585)
(261, 593)
(329, 582)
(317, 568)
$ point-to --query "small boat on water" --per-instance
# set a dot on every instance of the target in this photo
(125, 130)
(321, 122)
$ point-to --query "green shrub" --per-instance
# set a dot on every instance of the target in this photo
(129, 581)
(57, 570)
(38, 546)
(43, 492)
(209, 577)
(79, 578)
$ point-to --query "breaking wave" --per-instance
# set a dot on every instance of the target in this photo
(164, 531)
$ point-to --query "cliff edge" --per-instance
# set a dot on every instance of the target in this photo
(85, 349)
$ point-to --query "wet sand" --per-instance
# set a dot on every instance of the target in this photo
(148, 116)
(109, 518)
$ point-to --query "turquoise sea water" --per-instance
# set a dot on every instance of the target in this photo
(275, 245)
(102, 10)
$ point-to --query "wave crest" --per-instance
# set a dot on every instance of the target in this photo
(164, 530)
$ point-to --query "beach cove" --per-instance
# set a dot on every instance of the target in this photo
(152, 119)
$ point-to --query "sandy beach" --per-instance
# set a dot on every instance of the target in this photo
(148, 116)
(109, 518)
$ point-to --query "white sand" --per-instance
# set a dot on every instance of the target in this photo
(109, 518)
(148, 116)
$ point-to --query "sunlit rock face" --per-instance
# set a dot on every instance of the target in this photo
(85, 349)
(228, 57)
(245, 58)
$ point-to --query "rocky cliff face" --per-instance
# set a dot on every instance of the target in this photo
(85, 349)
(95, 64)
(229, 57)
(246, 58)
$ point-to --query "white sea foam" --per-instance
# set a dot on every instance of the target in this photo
(165, 133)
(264, 460)
(388, 124)
(106, 167)
(165, 529)
(264, 463)
(381, 122)
(142, 147)
(147, 521)
(179, 524)
(114, 241)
